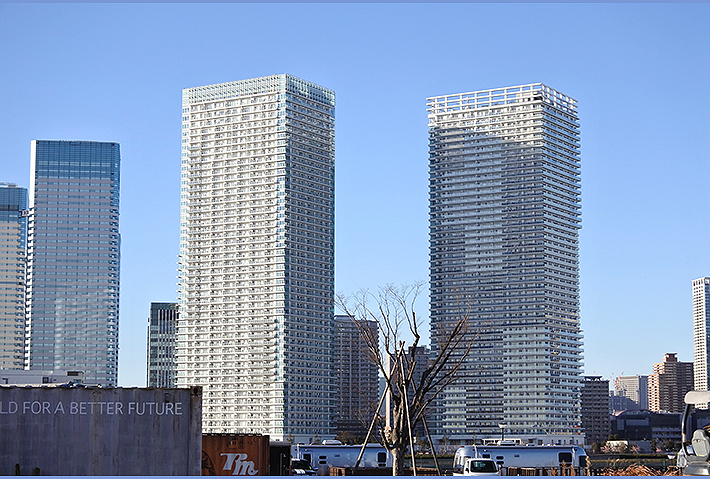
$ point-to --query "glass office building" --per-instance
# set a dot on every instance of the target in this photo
(162, 336)
(73, 259)
(504, 219)
(256, 267)
(13, 241)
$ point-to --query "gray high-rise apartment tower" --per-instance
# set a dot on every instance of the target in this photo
(256, 267)
(701, 332)
(13, 242)
(355, 375)
(73, 259)
(504, 218)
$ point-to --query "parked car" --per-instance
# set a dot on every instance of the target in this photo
(301, 467)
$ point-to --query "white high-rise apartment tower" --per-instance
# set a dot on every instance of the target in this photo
(504, 221)
(701, 332)
(256, 267)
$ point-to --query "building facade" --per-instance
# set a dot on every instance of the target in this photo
(26, 377)
(356, 377)
(635, 388)
(256, 266)
(504, 220)
(73, 259)
(701, 332)
(667, 386)
(13, 243)
(162, 338)
(644, 425)
(596, 420)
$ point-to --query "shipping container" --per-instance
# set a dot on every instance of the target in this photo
(235, 455)
(81, 430)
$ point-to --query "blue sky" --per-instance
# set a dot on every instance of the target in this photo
(640, 72)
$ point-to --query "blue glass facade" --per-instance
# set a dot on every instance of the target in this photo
(73, 259)
(13, 241)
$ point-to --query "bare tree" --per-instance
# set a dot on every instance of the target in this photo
(393, 309)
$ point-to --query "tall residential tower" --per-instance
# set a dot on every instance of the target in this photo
(13, 241)
(504, 219)
(256, 268)
(701, 332)
(73, 259)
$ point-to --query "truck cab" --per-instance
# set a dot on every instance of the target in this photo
(475, 466)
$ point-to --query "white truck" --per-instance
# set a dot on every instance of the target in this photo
(474, 466)
(522, 456)
(340, 455)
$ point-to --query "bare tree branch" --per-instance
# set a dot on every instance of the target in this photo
(410, 396)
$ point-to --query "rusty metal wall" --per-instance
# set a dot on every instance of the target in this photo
(95, 431)
(235, 455)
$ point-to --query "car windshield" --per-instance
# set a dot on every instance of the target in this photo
(483, 466)
(300, 464)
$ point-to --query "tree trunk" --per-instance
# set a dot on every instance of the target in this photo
(397, 462)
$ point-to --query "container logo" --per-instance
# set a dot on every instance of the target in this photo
(237, 463)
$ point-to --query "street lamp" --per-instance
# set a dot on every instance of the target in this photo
(502, 432)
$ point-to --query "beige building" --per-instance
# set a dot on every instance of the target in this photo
(667, 386)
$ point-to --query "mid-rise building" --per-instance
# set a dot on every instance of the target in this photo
(13, 243)
(356, 376)
(256, 266)
(162, 337)
(635, 388)
(667, 386)
(504, 169)
(701, 332)
(73, 259)
(596, 420)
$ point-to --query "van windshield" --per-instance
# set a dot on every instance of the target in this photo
(483, 466)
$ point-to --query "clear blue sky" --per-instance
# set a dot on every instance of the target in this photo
(640, 72)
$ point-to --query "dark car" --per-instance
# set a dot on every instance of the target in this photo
(301, 467)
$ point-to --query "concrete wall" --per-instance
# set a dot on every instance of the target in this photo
(100, 431)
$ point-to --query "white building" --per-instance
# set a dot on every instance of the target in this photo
(701, 332)
(256, 268)
(504, 220)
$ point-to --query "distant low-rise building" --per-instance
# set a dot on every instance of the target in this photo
(646, 426)
(595, 409)
(26, 377)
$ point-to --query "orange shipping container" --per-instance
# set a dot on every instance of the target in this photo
(235, 455)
